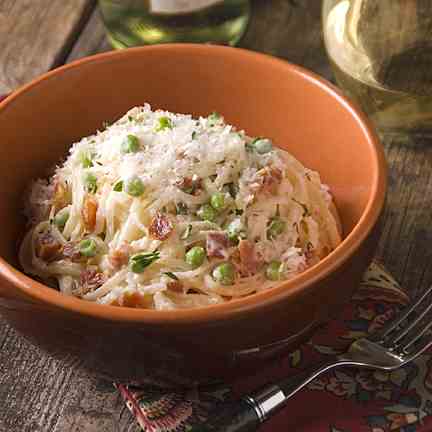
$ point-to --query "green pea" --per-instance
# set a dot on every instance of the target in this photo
(130, 144)
(217, 201)
(273, 271)
(139, 261)
(163, 123)
(87, 248)
(61, 218)
(90, 182)
(134, 186)
(224, 273)
(262, 145)
(195, 256)
(207, 212)
(236, 230)
(277, 226)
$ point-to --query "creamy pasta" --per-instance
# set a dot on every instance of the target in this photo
(164, 211)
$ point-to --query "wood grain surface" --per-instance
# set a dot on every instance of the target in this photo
(41, 394)
(36, 35)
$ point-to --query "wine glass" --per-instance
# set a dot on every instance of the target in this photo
(381, 54)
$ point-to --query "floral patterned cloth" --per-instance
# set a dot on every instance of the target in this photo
(343, 400)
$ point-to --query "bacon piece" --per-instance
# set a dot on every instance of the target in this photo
(272, 177)
(190, 185)
(269, 178)
(88, 213)
(184, 183)
(176, 286)
(60, 199)
(217, 245)
(160, 227)
(137, 300)
(310, 252)
(47, 247)
(120, 256)
(90, 280)
(249, 260)
(70, 250)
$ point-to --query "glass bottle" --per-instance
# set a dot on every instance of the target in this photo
(143, 22)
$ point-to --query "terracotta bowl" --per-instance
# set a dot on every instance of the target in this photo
(298, 110)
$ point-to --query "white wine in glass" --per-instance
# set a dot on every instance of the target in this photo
(381, 54)
(147, 22)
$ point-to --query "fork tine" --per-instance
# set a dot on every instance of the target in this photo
(416, 336)
(405, 330)
(388, 328)
(419, 351)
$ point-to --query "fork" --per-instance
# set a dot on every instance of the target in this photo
(397, 343)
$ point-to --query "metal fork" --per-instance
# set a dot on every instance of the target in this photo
(396, 344)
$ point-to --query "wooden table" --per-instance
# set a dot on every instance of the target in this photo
(38, 393)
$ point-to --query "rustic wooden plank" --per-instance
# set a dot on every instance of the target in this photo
(290, 30)
(405, 242)
(38, 393)
(18, 359)
(41, 394)
(92, 39)
(37, 35)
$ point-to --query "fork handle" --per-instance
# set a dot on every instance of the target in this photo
(290, 386)
(248, 413)
(237, 416)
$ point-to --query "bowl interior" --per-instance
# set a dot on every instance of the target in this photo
(263, 96)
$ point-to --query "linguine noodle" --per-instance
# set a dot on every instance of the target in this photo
(165, 211)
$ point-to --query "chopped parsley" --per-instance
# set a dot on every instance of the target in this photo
(171, 275)
(306, 211)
